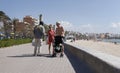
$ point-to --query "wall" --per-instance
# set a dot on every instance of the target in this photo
(97, 64)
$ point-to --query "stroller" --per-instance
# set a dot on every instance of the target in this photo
(57, 46)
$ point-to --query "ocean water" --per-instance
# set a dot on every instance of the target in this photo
(111, 40)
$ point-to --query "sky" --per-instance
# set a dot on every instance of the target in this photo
(91, 16)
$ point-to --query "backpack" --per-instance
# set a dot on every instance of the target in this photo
(40, 29)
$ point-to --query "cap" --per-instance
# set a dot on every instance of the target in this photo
(57, 23)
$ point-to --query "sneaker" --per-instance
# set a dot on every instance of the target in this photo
(54, 55)
(61, 55)
(34, 54)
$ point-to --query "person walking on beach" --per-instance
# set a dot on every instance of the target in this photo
(59, 35)
(51, 34)
(39, 32)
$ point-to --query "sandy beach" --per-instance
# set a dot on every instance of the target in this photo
(106, 47)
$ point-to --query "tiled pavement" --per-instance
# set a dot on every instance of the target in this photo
(20, 59)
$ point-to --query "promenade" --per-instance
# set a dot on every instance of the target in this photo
(20, 59)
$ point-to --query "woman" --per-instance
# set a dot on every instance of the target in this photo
(51, 35)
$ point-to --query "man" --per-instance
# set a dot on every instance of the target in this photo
(59, 35)
(39, 32)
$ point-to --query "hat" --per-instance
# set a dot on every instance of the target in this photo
(57, 23)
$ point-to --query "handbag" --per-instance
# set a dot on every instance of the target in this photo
(33, 42)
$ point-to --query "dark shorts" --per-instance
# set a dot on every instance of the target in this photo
(58, 39)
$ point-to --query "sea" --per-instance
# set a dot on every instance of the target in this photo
(111, 40)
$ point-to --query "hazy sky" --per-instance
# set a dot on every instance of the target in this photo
(77, 15)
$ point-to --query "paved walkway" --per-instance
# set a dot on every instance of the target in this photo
(20, 59)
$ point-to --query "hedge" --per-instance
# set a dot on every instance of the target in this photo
(11, 42)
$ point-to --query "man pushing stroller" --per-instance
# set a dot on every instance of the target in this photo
(58, 43)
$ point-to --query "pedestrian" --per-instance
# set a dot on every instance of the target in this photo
(51, 34)
(39, 32)
(59, 36)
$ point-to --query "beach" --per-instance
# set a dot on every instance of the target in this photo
(105, 47)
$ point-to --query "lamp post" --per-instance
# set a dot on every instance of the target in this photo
(40, 20)
(40, 17)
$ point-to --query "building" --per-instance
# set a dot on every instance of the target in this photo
(29, 20)
(25, 28)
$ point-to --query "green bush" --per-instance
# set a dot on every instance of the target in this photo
(11, 42)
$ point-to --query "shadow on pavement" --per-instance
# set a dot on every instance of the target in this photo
(45, 55)
(24, 55)
(31, 55)
(78, 65)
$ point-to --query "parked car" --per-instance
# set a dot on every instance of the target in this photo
(70, 38)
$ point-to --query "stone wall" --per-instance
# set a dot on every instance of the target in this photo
(97, 64)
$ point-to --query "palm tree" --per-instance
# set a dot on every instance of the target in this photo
(3, 16)
(6, 21)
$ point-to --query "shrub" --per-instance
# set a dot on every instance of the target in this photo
(11, 42)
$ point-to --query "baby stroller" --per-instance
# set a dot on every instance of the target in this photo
(58, 46)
